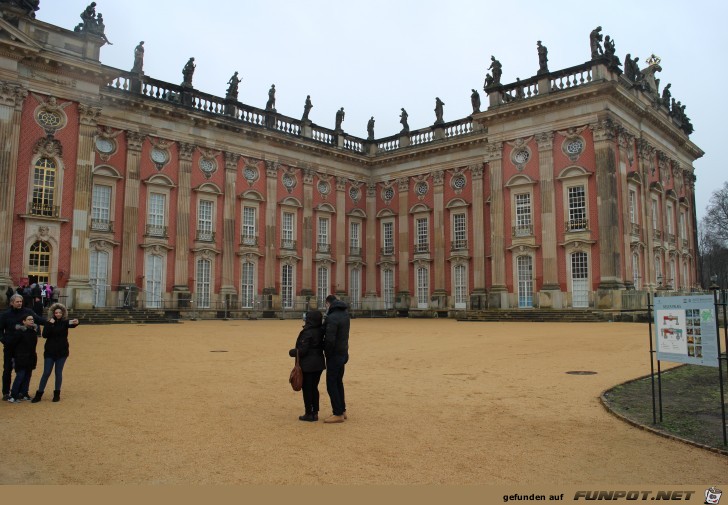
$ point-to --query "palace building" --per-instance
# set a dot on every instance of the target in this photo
(568, 189)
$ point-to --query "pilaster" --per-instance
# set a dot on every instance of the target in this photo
(12, 97)
(478, 298)
(78, 282)
(308, 235)
(545, 141)
(497, 297)
(341, 250)
(371, 243)
(269, 274)
(228, 288)
(130, 233)
(403, 244)
(182, 237)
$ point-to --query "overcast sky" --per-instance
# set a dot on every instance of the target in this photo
(375, 57)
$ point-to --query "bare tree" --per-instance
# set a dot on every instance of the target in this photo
(716, 218)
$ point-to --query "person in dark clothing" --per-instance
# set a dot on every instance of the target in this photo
(336, 349)
(24, 358)
(37, 303)
(309, 345)
(56, 349)
(10, 292)
(9, 335)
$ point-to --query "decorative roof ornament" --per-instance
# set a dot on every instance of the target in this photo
(653, 60)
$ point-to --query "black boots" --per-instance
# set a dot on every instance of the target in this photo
(57, 395)
(309, 416)
(37, 397)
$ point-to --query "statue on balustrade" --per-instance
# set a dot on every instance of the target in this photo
(595, 39)
(497, 69)
(439, 110)
(271, 103)
(543, 59)
(475, 101)
(138, 58)
(101, 28)
(631, 68)
(488, 81)
(519, 90)
(88, 16)
(339, 119)
(370, 129)
(233, 83)
(307, 108)
(666, 95)
(403, 119)
(609, 53)
(187, 71)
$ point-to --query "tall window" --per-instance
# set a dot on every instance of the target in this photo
(355, 288)
(154, 274)
(247, 288)
(681, 226)
(202, 288)
(460, 276)
(388, 237)
(524, 268)
(44, 187)
(672, 281)
(204, 221)
(355, 238)
(684, 278)
(250, 234)
(636, 271)
(579, 279)
(422, 245)
(98, 276)
(322, 244)
(155, 215)
(655, 214)
(577, 208)
(459, 232)
(388, 287)
(632, 206)
(101, 208)
(423, 287)
(524, 225)
(287, 232)
(322, 286)
(658, 271)
(669, 217)
(287, 287)
(39, 265)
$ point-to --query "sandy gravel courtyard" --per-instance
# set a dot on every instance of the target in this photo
(429, 402)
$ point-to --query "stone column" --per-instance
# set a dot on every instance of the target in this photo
(11, 106)
(341, 235)
(228, 288)
(181, 289)
(308, 236)
(610, 255)
(403, 296)
(78, 283)
(624, 141)
(130, 230)
(498, 296)
(271, 246)
(438, 236)
(370, 296)
(550, 295)
(645, 152)
(478, 298)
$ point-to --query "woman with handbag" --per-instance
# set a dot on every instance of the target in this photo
(309, 346)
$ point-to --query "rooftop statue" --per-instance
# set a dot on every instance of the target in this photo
(92, 23)
(631, 69)
(403, 119)
(609, 53)
(232, 91)
(666, 95)
(138, 58)
(30, 6)
(307, 108)
(187, 71)
(475, 101)
(497, 68)
(595, 39)
(271, 103)
(370, 129)
(543, 59)
(650, 84)
(88, 16)
(339, 118)
(439, 110)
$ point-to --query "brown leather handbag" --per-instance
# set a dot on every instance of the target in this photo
(296, 378)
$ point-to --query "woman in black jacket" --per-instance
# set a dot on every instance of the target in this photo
(24, 358)
(56, 349)
(311, 356)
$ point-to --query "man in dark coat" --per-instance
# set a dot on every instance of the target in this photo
(10, 336)
(336, 349)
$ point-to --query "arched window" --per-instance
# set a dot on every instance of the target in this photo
(388, 287)
(579, 280)
(39, 264)
(44, 188)
(322, 285)
(247, 291)
(636, 271)
(460, 281)
(203, 280)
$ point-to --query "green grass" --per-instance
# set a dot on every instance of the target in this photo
(690, 404)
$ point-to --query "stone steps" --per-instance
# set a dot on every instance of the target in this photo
(121, 316)
(534, 315)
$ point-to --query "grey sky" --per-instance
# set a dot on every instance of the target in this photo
(375, 57)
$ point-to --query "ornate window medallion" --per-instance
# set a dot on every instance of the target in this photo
(105, 146)
(50, 119)
(354, 193)
(324, 188)
(250, 174)
(208, 166)
(387, 194)
(573, 147)
(421, 189)
(520, 157)
(458, 182)
(159, 156)
(289, 182)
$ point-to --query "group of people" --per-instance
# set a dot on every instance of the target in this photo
(19, 331)
(323, 344)
(35, 296)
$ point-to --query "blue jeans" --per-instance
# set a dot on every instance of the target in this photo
(335, 367)
(21, 384)
(48, 367)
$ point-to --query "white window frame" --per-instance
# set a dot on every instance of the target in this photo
(248, 272)
(355, 287)
(523, 211)
(355, 238)
(388, 236)
(205, 219)
(460, 285)
(577, 210)
(101, 198)
(288, 228)
(459, 230)
(249, 231)
(323, 233)
(422, 234)
(288, 285)
(323, 276)
(203, 283)
(633, 214)
(636, 271)
(422, 279)
(388, 287)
